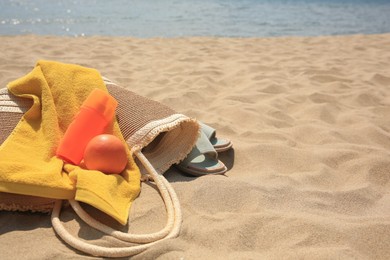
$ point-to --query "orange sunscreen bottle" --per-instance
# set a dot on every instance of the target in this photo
(95, 114)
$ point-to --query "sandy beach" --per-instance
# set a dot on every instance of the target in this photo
(309, 175)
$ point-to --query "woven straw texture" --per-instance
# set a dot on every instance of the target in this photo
(164, 136)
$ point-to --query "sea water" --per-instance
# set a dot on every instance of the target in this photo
(177, 18)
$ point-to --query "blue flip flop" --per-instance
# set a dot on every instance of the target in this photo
(219, 144)
(203, 159)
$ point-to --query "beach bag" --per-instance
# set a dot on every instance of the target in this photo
(156, 135)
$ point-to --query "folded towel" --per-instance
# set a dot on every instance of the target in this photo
(28, 162)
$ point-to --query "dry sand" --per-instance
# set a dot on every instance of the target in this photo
(309, 176)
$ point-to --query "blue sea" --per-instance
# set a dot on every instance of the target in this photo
(178, 18)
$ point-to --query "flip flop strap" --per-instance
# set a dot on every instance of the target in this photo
(208, 130)
(203, 146)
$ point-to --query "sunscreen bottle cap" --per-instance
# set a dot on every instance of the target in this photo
(101, 102)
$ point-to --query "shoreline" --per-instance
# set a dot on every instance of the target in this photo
(190, 37)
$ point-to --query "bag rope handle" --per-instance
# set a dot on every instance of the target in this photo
(171, 230)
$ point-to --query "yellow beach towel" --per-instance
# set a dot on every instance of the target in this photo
(28, 164)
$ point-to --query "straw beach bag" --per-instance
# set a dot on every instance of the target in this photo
(157, 136)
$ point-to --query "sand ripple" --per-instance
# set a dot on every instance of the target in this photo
(309, 117)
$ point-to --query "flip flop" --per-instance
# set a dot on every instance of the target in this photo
(220, 144)
(202, 160)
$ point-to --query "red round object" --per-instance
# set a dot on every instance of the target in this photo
(106, 153)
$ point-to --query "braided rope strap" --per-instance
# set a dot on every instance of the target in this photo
(171, 230)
